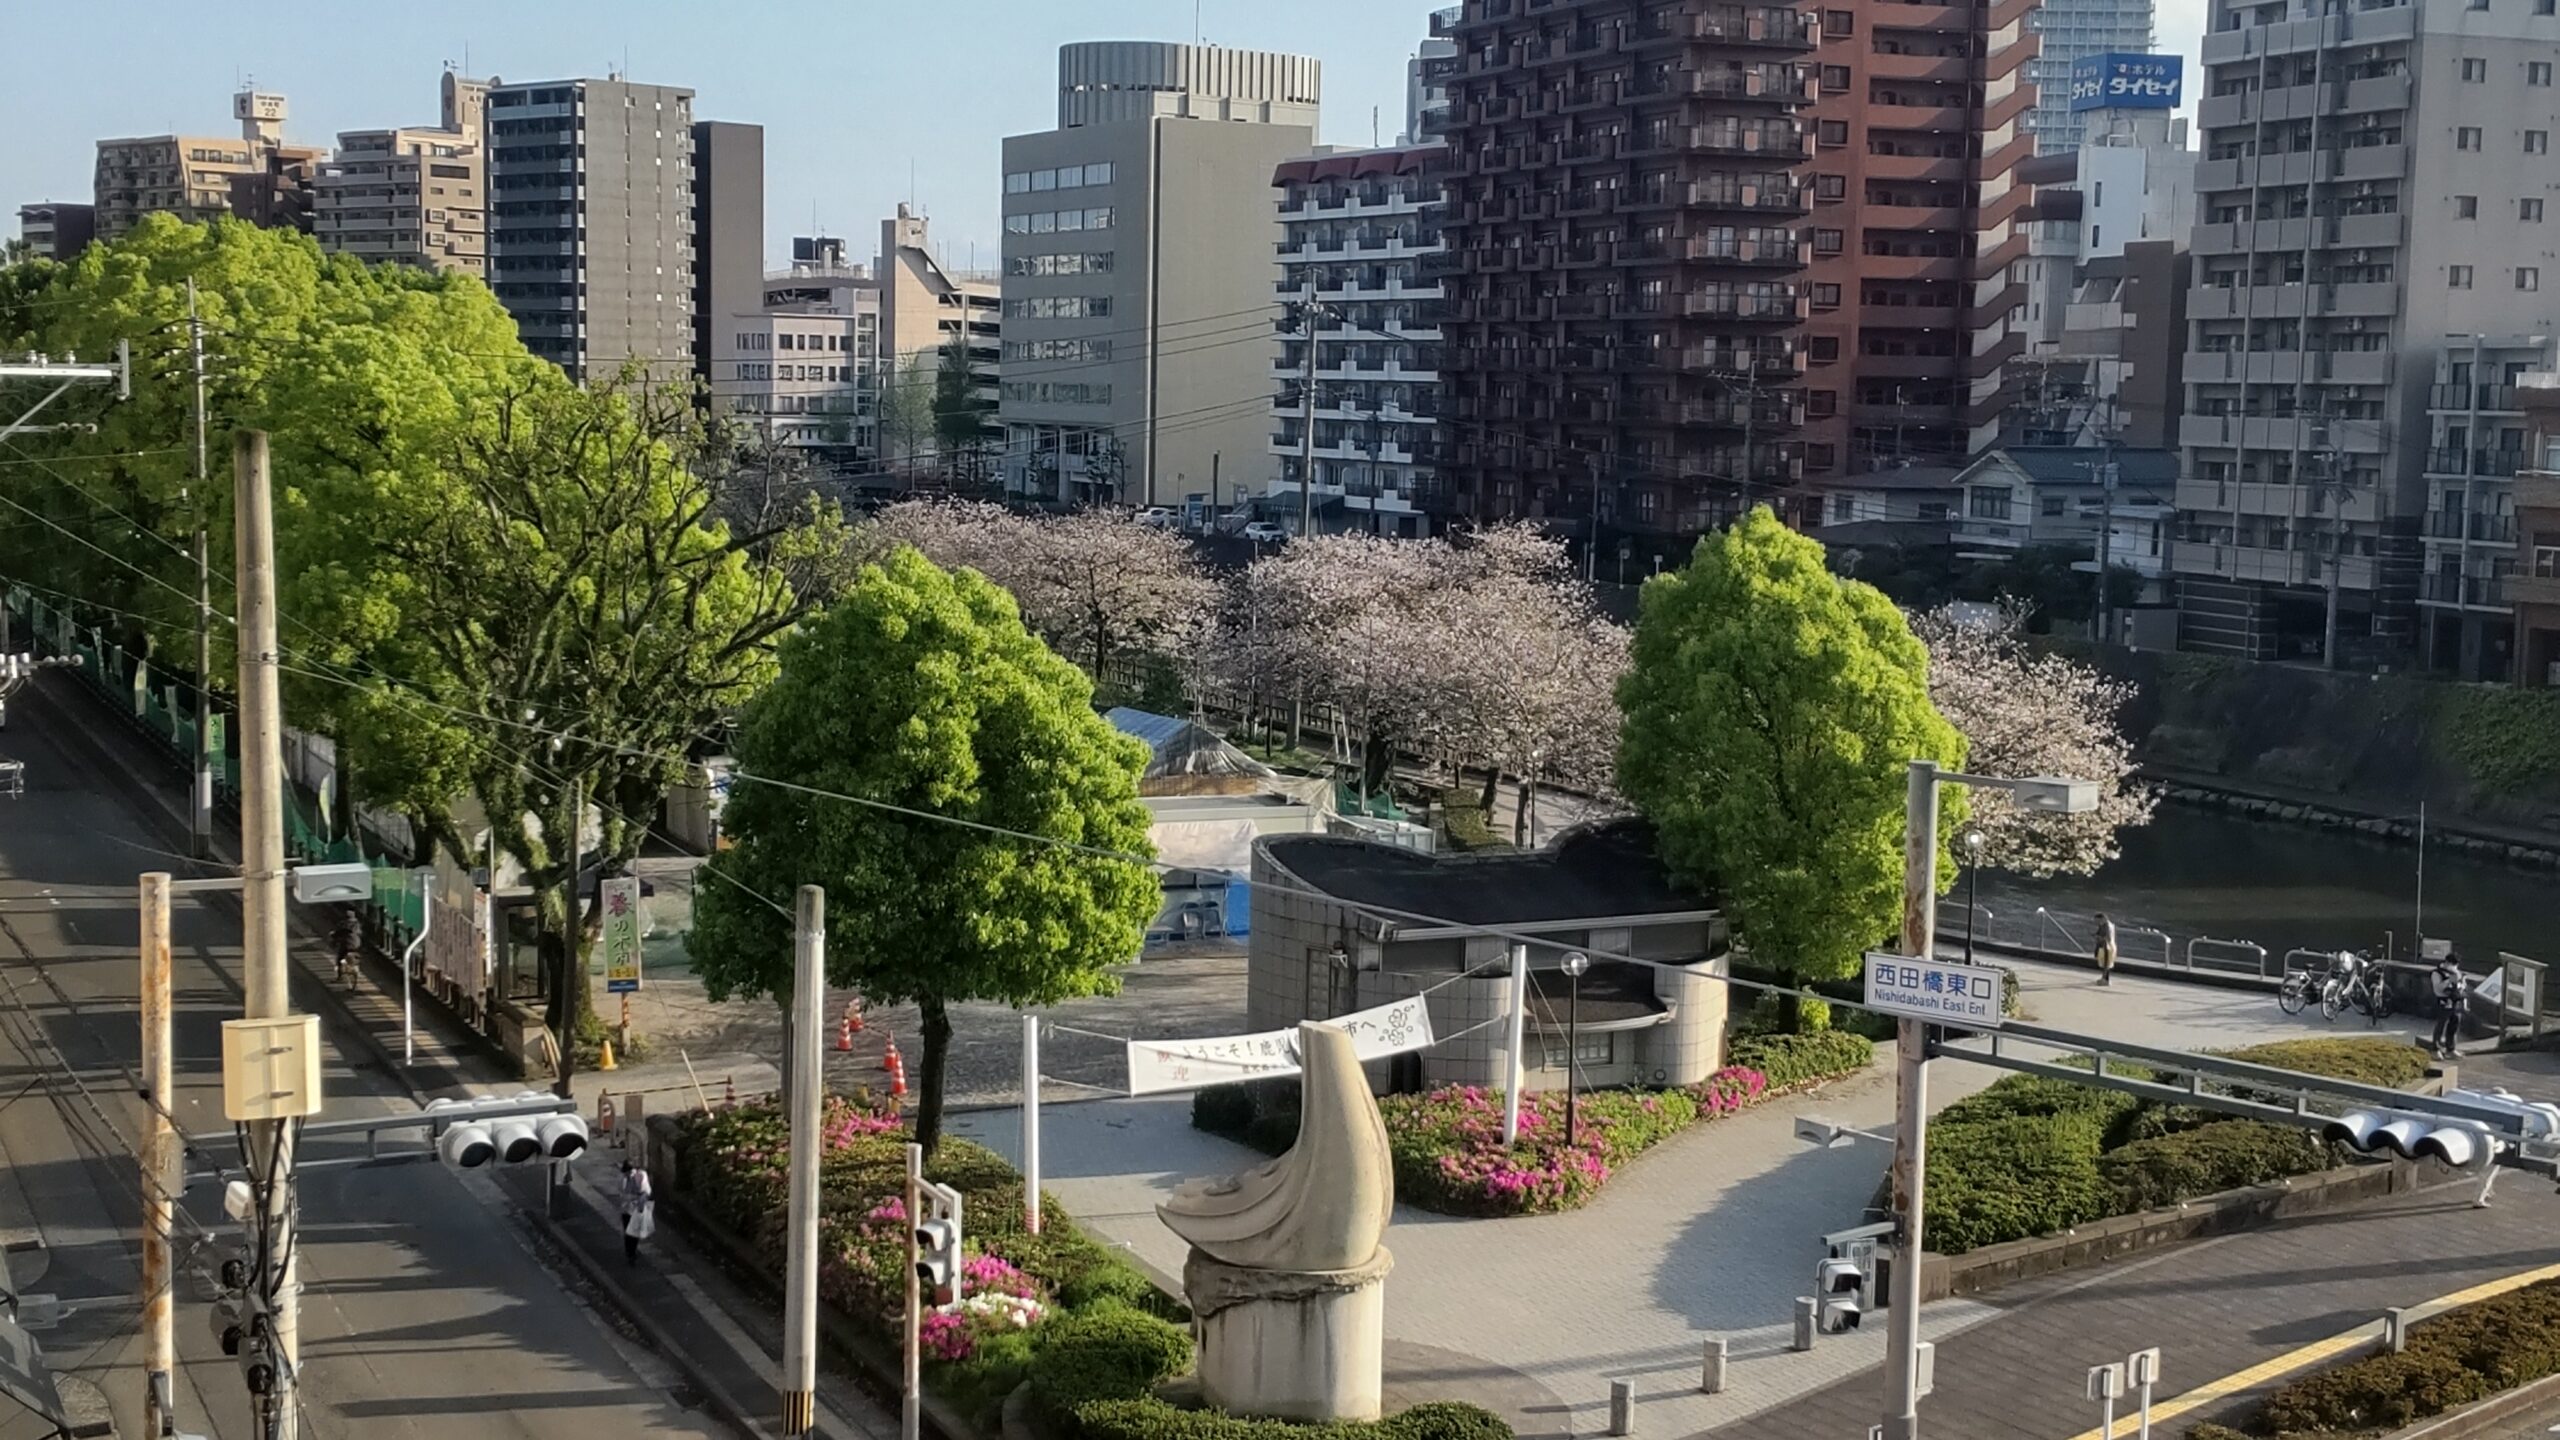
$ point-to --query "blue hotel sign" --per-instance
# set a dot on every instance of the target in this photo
(2118, 81)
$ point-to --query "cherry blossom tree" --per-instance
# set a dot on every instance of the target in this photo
(2026, 713)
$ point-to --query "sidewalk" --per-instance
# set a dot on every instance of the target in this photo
(686, 1305)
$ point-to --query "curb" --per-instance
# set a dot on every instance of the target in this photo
(717, 1395)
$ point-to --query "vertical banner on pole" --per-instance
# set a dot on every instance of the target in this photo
(618, 950)
(1515, 1070)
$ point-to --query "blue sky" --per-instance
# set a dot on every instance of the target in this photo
(855, 95)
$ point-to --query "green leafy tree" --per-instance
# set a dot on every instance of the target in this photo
(963, 420)
(1772, 711)
(921, 689)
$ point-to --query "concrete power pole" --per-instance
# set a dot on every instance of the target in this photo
(808, 1084)
(1911, 1109)
(200, 827)
(160, 1178)
(264, 961)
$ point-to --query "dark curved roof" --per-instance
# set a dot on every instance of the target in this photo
(1591, 872)
(1358, 165)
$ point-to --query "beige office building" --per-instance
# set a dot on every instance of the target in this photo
(928, 309)
(196, 177)
(1140, 259)
(412, 196)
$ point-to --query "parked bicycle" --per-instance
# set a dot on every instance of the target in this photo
(2357, 982)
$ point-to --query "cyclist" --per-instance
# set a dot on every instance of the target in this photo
(2451, 989)
(348, 940)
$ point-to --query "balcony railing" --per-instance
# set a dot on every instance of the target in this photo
(2472, 397)
(2443, 461)
(2473, 591)
(2477, 526)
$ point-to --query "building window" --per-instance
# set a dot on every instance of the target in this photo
(1835, 79)
(2049, 506)
(1831, 132)
(2466, 207)
(2536, 141)
(1827, 242)
(1830, 187)
(1826, 296)
(1588, 1050)
(2537, 72)
(1838, 22)
(1822, 349)
(1987, 502)
(2457, 277)
(2528, 278)
(2466, 137)
(2475, 69)
(2529, 210)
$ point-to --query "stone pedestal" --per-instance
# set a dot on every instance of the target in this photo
(1290, 1344)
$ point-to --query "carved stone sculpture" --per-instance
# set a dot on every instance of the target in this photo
(1287, 1274)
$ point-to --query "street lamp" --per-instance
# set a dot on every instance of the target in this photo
(1973, 887)
(2039, 794)
(1575, 962)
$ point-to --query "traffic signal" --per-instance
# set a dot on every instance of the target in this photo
(938, 1243)
(2458, 1143)
(1840, 1290)
(509, 1130)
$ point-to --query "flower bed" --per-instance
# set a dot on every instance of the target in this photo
(1447, 1143)
(2032, 1155)
(736, 1168)
(2453, 1360)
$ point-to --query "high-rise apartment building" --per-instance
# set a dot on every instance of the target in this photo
(1623, 352)
(57, 231)
(1358, 229)
(1138, 268)
(2068, 31)
(411, 196)
(1426, 91)
(591, 239)
(728, 229)
(2478, 439)
(2373, 180)
(1920, 228)
(192, 176)
(2532, 585)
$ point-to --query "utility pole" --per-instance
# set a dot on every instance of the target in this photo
(911, 1379)
(808, 1084)
(572, 964)
(1911, 1108)
(265, 965)
(2106, 539)
(160, 1178)
(1750, 433)
(1591, 552)
(2338, 549)
(200, 827)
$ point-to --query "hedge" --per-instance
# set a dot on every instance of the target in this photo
(1447, 1146)
(2034, 1155)
(2455, 1359)
(1096, 1377)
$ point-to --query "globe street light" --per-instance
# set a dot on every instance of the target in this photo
(1575, 962)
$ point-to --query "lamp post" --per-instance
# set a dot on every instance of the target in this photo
(2040, 794)
(1973, 887)
(1575, 962)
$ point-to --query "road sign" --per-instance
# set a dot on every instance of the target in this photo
(1939, 990)
(621, 941)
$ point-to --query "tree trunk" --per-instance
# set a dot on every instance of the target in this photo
(929, 1074)
(1520, 814)
(1492, 781)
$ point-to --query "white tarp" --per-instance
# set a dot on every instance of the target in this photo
(1204, 844)
(1156, 1066)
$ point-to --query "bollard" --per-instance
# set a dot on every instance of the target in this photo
(1807, 1311)
(1711, 1374)
(2395, 1330)
(1622, 1407)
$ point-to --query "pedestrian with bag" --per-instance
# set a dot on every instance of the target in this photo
(2452, 990)
(639, 1211)
(2106, 949)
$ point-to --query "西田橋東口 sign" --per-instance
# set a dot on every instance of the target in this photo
(1159, 1065)
(1938, 990)
(2117, 81)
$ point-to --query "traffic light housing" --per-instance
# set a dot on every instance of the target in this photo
(2458, 1143)
(938, 1238)
(507, 1130)
(1840, 1293)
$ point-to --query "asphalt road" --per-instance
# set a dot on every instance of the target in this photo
(428, 1307)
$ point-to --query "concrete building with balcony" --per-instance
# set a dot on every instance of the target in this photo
(2478, 438)
(1426, 91)
(802, 362)
(56, 231)
(1139, 248)
(2373, 179)
(591, 222)
(2069, 30)
(1623, 357)
(197, 177)
(1358, 231)
(933, 315)
(1920, 229)
(413, 196)
(2531, 587)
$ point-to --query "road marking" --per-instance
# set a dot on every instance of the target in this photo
(2317, 1352)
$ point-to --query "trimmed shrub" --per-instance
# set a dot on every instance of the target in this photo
(2383, 1393)
(2006, 1177)
(2370, 1059)
(1793, 1061)
(2184, 1164)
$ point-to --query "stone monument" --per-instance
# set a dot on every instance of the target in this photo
(1287, 1275)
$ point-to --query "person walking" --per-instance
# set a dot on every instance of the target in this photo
(2451, 990)
(2106, 949)
(639, 1211)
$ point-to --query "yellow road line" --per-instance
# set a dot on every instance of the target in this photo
(2317, 1352)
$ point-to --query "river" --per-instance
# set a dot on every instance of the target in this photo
(2195, 871)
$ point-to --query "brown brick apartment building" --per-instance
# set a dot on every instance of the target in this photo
(1701, 251)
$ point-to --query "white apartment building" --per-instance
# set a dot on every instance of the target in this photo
(2069, 30)
(1139, 250)
(2374, 178)
(1356, 229)
(2478, 437)
(805, 367)
(411, 196)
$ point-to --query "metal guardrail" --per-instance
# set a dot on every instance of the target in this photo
(2229, 957)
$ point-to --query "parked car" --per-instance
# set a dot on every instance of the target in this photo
(1158, 517)
(1265, 532)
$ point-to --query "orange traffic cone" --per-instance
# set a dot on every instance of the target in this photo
(729, 1099)
(889, 1057)
(853, 1014)
(844, 1032)
(897, 1073)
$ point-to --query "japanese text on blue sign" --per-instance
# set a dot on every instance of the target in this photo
(1934, 990)
(2127, 82)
